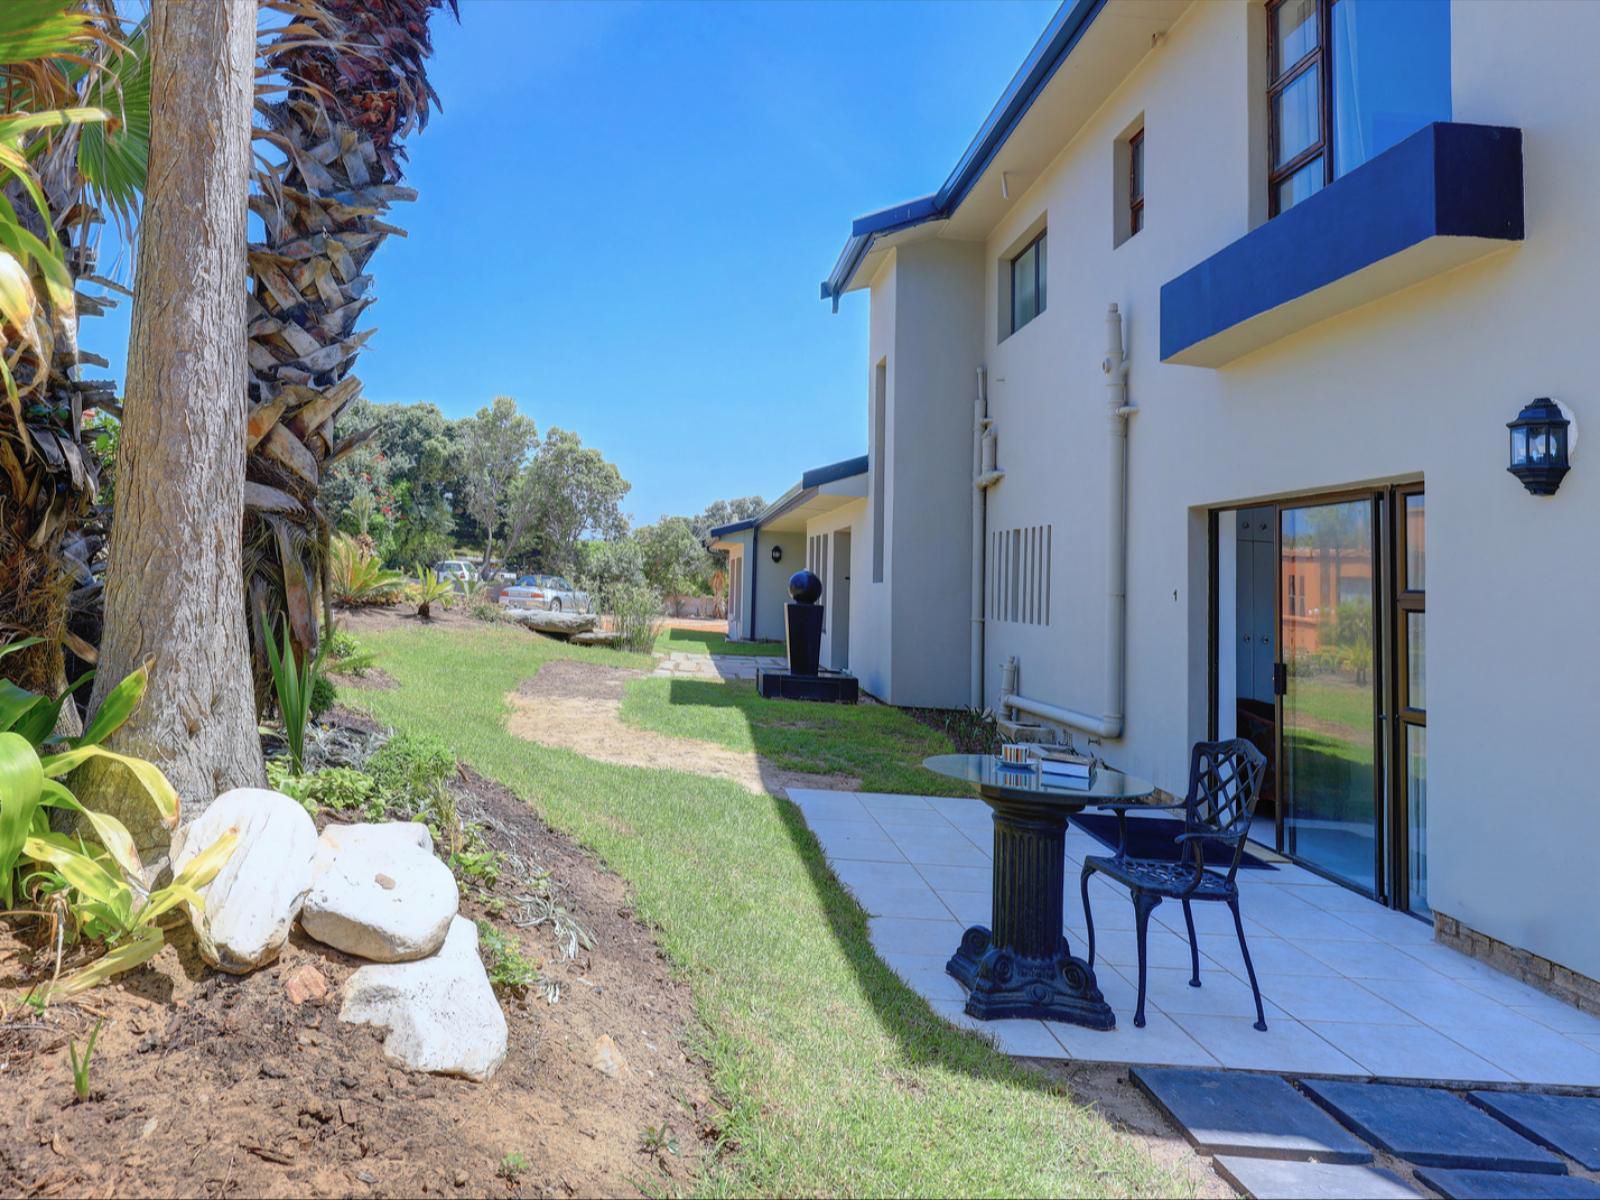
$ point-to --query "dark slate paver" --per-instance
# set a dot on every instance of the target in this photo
(1226, 1112)
(1276, 1179)
(1497, 1185)
(1568, 1124)
(1430, 1127)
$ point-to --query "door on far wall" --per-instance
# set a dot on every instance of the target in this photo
(1330, 762)
(839, 601)
(1410, 704)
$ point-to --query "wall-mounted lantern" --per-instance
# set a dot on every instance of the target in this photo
(1539, 446)
(777, 554)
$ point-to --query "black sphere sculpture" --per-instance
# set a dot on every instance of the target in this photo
(805, 587)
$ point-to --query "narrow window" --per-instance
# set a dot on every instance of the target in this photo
(1347, 80)
(1028, 283)
(1136, 183)
(880, 402)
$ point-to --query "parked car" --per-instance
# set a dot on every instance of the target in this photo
(457, 570)
(553, 593)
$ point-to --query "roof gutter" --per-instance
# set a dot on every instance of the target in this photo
(1055, 44)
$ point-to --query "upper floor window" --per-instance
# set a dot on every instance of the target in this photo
(1136, 183)
(1027, 283)
(1349, 79)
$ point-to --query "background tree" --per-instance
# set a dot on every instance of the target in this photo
(675, 562)
(173, 590)
(568, 492)
(402, 480)
(494, 446)
(725, 512)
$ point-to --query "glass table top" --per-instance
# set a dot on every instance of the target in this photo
(994, 778)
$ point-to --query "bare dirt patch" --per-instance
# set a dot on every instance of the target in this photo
(404, 616)
(206, 1084)
(575, 706)
(371, 679)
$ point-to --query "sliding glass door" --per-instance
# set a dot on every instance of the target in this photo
(1330, 765)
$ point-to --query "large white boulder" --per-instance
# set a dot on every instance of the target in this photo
(441, 1013)
(378, 892)
(252, 902)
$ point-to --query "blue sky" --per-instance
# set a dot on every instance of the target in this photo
(626, 210)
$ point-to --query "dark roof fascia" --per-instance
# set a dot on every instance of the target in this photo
(734, 527)
(834, 472)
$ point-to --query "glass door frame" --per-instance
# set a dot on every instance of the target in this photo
(1389, 717)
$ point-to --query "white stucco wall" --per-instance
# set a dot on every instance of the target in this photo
(770, 580)
(851, 519)
(1416, 385)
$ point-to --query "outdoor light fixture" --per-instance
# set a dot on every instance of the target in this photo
(777, 552)
(1539, 446)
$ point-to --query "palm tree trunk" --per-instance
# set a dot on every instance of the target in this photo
(174, 586)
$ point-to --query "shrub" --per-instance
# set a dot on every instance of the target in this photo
(323, 694)
(636, 608)
(509, 969)
(342, 653)
(358, 578)
(430, 589)
(410, 769)
(484, 611)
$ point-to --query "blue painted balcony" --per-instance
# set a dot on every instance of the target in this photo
(1444, 196)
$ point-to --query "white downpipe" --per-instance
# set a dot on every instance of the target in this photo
(980, 502)
(1109, 724)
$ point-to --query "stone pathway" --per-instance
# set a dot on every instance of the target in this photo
(1297, 1140)
(713, 668)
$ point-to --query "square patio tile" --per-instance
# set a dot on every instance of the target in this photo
(1430, 1127)
(866, 874)
(1495, 1185)
(1229, 1112)
(937, 850)
(879, 804)
(1162, 1042)
(956, 808)
(821, 805)
(1457, 965)
(935, 986)
(958, 879)
(1568, 1124)
(1163, 948)
(1311, 1180)
(970, 908)
(1527, 1050)
(1299, 921)
(1287, 1045)
(1273, 956)
(1388, 926)
(1408, 1052)
(854, 840)
(902, 935)
(1219, 994)
(1331, 998)
(1550, 1012)
(1333, 899)
(1210, 920)
(1025, 1039)
(921, 902)
(1367, 960)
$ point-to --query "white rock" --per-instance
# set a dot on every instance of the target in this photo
(441, 1013)
(253, 901)
(378, 892)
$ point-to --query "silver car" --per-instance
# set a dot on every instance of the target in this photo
(554, 593)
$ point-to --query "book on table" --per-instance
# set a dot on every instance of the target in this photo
(1061, 762)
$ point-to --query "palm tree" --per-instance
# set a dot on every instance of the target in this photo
(353, 85)
(74, 127)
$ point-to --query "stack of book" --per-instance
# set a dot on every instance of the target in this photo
(1064, 764)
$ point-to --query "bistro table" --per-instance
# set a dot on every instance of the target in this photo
(1022, 967)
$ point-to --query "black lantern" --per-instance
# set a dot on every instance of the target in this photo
(1539, 447)
(777, 554)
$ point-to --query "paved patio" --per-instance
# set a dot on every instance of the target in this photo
(713, 668)
(1351, 988)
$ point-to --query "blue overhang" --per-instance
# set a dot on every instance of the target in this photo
(734, 527)
(1447, 194)
(834, 472)
(1057, 41)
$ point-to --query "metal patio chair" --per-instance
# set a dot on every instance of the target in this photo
(1224, 782)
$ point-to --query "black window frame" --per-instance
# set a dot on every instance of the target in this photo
(1039, 273)
(1136, 183)
(1279, 78)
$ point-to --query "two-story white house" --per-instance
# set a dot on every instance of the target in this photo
(1187, 401)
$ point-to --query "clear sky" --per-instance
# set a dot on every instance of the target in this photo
(626, 209)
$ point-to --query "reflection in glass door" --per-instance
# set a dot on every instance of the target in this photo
(1329, 759)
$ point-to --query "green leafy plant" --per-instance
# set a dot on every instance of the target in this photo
(509, 969)
(358, 578)
(342, 789)
(658, 1139)
(512, 1166)
(412, 768)
(481, 866)
(636, 609)
(484, 611)
(342, 653)
(80, 1066)
(292, 683)
(431, 589)
(323, 695)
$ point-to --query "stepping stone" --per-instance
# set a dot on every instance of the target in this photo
(1496, 1185)
(1226, 1112)
(1277, 1179)
(1567, 1124)
(1430, 1127)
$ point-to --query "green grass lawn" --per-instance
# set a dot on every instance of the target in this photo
(838, 1080)
(705, 641)
(878, 745)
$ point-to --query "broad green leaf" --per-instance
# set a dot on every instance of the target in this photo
(203, 867)
(15, 702)
(86, 876)
(33, 29)
(112, 833)
(38, 724)
(21, 785)
(116, 708)
(167, 898)
(139, 949)
(20, 644)
(148, 774)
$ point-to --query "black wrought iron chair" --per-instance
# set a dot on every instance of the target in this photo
(1224, 782)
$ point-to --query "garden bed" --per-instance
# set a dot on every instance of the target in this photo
(208, 1084)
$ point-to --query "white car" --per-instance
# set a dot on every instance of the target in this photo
(457, 570)
(554, 593)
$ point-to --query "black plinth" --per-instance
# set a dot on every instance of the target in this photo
(1022, 968)
(828, 686)
(802, 627)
